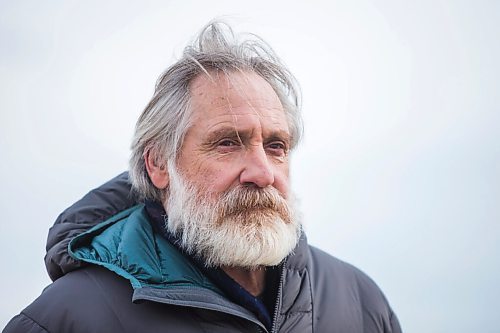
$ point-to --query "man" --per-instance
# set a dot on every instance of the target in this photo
(212, 241)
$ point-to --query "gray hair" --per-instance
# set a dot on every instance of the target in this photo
(161, 128)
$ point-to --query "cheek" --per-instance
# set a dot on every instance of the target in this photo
(224, 178)
(282, 180)
(215, 178)
(283, 186)
(196, 169)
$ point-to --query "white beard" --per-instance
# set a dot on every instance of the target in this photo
(244, 227)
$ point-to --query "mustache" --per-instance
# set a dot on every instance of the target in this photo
(244, 200)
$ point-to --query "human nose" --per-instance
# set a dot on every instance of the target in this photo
(257, 169)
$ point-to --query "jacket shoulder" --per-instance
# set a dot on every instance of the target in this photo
(77, 302)
(341, 288)
(335, 270)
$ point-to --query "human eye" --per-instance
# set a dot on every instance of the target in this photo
(227, 143)
(277, 148)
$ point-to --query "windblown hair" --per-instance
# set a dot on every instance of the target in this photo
(161, 128)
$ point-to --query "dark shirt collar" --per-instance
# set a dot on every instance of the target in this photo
(262, 306)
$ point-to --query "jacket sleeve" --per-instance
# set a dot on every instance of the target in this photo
(96, 206)
(23, 324)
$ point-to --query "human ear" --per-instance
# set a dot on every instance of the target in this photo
(157, 172)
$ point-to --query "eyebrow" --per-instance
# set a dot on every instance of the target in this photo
(225, 132)
(244, 135)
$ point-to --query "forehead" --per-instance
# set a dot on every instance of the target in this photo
(235, 96)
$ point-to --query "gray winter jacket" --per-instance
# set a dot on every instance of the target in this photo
(123, 277)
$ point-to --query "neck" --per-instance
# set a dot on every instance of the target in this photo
(253, 280)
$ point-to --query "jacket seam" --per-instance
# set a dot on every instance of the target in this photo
(312, 301)
(296, 313)
(391, 319)
(34, 321)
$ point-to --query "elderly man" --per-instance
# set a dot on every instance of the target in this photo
(211, 240)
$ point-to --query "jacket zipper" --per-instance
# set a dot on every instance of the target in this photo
(278, 297)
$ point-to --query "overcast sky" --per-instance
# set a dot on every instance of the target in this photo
(399, 171)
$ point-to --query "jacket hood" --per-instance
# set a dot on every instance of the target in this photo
(95, 207)
(127, 245)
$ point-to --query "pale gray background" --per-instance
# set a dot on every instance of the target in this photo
(398, 173)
